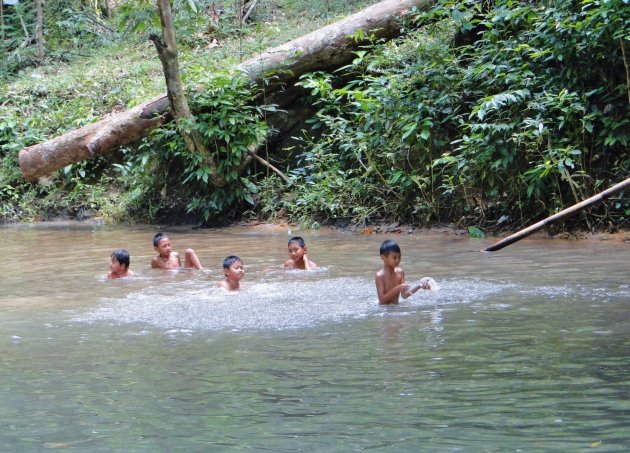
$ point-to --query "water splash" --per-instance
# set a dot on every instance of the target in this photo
(273, 305)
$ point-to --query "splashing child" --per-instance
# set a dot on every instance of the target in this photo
(390, 281)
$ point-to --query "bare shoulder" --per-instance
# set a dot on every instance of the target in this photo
(290, 264)
(222, 284)
(379, 274)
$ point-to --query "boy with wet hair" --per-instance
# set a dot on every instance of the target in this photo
(234, 273)
(390, 281)
(119, 264)
(297, 254)
(168, 259)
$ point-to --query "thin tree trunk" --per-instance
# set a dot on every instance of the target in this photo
(167, 51)
(39, 28)
(275, 71)
(626, 65)
(27, 35)
(559, 216)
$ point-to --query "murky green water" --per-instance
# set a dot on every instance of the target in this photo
(527, 349)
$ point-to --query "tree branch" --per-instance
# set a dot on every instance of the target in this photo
(166, 47)
(269, 166)
(626, 64)
(249, 10)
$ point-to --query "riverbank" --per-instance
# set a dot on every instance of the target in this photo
(395, 229)
(385, 230)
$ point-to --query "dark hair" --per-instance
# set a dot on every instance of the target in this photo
(122, 256)
(389, 246)
(157, 238)
(298, 240)
(231, 260)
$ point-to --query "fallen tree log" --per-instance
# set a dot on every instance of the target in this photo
(558, 216)
(325, 49)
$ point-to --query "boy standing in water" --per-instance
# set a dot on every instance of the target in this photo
(390, 281)
(297, 254)
(167, 259)
(234, 273)
(119, 264)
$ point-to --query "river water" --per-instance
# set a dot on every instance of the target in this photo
(526, 349)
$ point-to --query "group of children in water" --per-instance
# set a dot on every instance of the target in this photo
(390, 281)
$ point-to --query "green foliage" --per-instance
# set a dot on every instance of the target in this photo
(475, 232)
(526, 115)
(231, 125)
(68, 25)
(190, 18)
(17, 31)
(530, 117)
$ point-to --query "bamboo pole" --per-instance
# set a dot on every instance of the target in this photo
(560, 215)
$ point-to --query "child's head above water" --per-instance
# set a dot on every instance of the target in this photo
(227, 262)
(122, 257)
(298, 241)
(234, 273)
(389, 246)
(157, 238)
(297, 254)
(119, 264)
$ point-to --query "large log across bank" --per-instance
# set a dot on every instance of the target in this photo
(324, 49)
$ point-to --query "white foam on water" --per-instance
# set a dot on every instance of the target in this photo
(271, 305)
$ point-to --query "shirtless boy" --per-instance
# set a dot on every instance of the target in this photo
(234, 273)
(297, 253)
(119, 264)
(390, 281)
(168, 259)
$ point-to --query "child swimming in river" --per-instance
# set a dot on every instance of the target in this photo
(168, 259)
(119, 264)
(297, 254)
(234, 273)
(390, 281)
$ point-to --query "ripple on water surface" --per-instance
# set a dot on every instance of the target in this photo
(272, 305)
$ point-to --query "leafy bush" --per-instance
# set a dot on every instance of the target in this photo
(231, 126)
(529, 117)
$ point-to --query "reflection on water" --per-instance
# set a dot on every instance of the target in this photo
(525, 349)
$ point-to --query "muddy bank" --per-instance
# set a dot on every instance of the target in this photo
(385, 230)
(395, 229)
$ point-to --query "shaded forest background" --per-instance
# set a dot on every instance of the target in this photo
(485, 114)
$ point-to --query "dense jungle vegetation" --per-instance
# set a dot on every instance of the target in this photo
(485, 114)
